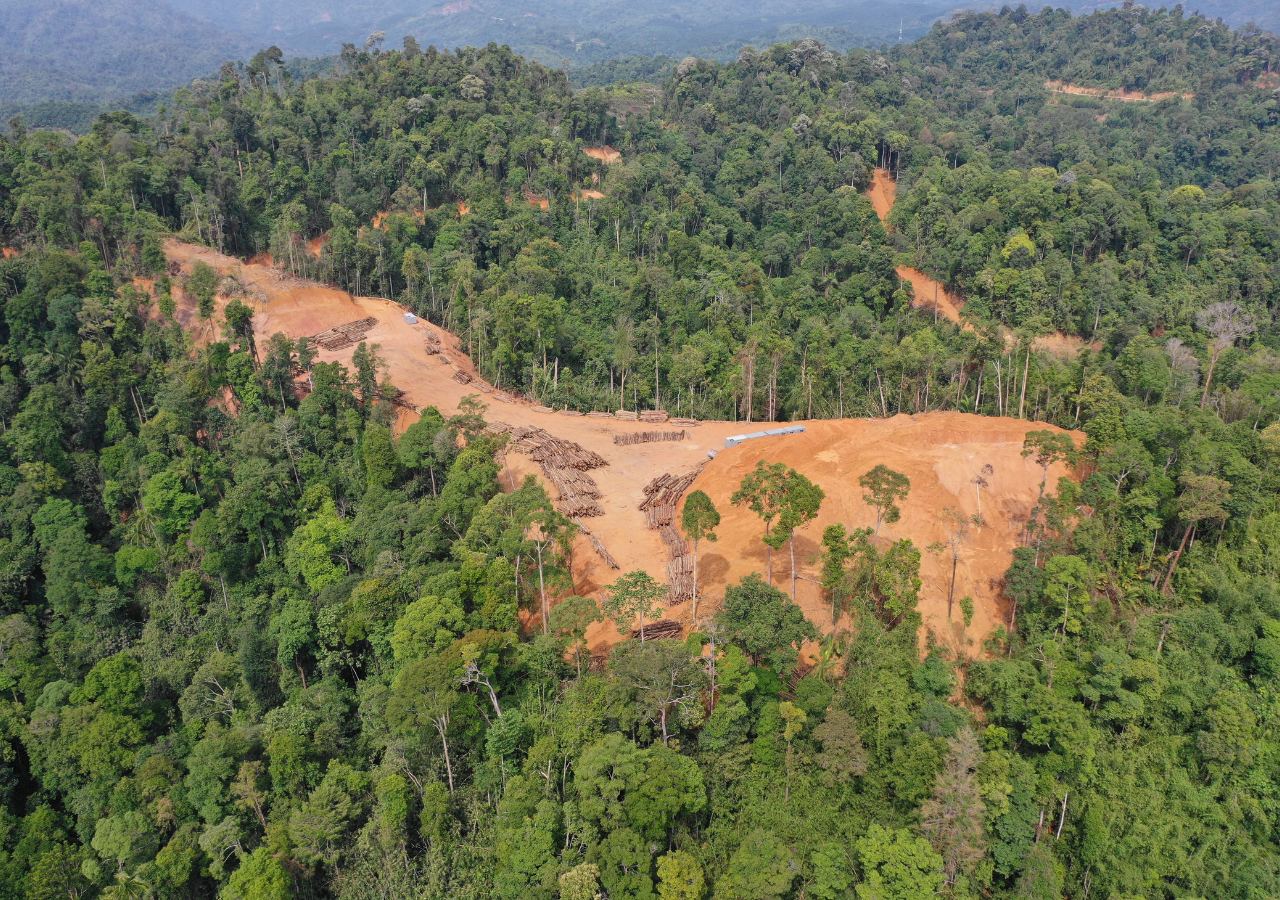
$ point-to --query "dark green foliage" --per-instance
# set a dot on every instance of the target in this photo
(287, 653)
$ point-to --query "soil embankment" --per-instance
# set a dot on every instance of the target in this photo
(929, 294)
(939, 452)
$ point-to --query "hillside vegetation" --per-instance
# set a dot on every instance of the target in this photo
(256, 644)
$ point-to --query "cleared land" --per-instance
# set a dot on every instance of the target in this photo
(939, 452)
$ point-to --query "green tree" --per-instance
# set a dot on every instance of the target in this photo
(680, 877)
(897, 865)
(764, 622)
(202, 284)
(634, 596)
(801, 501)
(762, 868)
(885, 489)
(573, 616)
(1203, 497)
(699, 519)
(425, 693)
(762, 491)
(259, 877)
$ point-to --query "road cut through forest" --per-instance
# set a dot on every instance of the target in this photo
(942, 453)
(929, 294)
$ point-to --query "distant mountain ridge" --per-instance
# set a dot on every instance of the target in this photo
(96, 50)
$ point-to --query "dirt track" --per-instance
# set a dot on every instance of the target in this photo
(939, 452)
(1059, 87)
(927, 291)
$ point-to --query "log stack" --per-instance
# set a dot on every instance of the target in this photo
(648, 437)
(659, 507)
(565, 464)
(654, 416)
(659, 630)
(344, 336)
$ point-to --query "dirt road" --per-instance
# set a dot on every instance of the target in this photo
(929, 294)
(939, 452)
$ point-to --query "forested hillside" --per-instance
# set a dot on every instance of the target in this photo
(256, 644)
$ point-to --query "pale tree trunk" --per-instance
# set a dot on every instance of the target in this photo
(441, 723)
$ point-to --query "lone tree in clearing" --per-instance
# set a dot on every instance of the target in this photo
(699, 520)
(956, 524)
(202, 284)
(762, 491)
(885, 489)
(801, 500)
(979, 482)
(633, 596)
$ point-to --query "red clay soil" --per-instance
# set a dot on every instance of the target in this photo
(315, 246)
(939, 452)
(605, 154)
(928, 293)
(588, 194)
(8, 252)
(1060, 87)
(463, 208)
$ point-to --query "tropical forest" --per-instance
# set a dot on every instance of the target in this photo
(383, 516)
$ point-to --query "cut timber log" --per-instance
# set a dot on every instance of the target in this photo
(660, 630)
(662, 495)
(648, 437)
(344, 336)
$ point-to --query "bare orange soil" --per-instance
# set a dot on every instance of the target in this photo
(8, 252)
(928, 292)
(1061, 87)
(1064, 345)
(315, 246)
(605, 154)
(463, 208)
(588, 194)
(939, 452)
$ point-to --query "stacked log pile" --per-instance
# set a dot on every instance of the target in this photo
(684, 423)
(648, 437)
(659, 508)
(565, 464)
(431, 343)
(344, 336)
(461, 377)
(654, 416)
(659, 630)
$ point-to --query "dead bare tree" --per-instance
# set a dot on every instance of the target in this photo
(1226, 323)
(979, 482)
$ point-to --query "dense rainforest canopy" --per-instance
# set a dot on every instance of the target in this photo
(257, 646)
